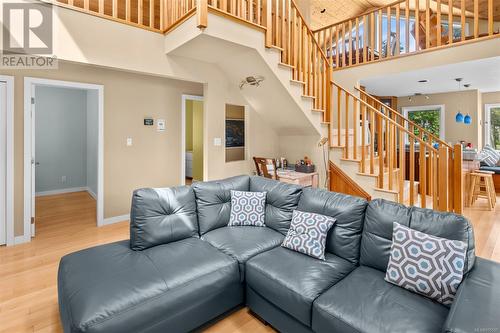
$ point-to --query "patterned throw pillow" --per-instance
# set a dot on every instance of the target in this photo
(247, 208)
(425, 264)
(489, 156)
(307, 233)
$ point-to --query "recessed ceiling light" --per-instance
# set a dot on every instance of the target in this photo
(423, 81)
(467, 85)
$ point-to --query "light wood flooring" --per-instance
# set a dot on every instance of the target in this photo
(66, 223)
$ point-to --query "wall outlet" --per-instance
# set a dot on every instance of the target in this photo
(217, 141)
(129, 142)
(63, 179)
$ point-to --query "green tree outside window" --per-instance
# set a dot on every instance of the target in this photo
(495, 128)
(428, 119)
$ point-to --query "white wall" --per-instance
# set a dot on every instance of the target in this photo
(60, 130)
(92, 138)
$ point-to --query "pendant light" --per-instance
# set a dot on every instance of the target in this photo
(467, 118)
(459, 117)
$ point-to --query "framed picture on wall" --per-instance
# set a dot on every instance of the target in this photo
(235, 133)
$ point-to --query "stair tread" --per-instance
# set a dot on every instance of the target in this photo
(308, 96)
(286, 65)
(298, 82)
(318, 110)
(276, 48)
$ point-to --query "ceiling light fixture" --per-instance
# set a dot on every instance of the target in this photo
(255, 81)
(323, 11)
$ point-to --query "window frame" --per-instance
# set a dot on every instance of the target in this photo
(407, 109)
(486, 122)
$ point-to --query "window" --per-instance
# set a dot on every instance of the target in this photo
(492, 125)
(429, 117)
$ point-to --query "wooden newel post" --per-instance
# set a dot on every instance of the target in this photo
(202, 13)
(443, 180)
(267, 22)
(458, 192)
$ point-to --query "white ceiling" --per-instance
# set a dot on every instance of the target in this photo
(483, 75)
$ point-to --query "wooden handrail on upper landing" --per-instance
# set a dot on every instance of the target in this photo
(406, 27)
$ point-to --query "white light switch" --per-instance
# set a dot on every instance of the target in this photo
(217, 142)
(161, 125)
(129, 142)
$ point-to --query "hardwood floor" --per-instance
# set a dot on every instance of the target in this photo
(66, 223)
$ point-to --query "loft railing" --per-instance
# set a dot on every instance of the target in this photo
(407, 27)
(146, 14)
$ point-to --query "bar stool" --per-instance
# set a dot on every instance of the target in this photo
(482, 187)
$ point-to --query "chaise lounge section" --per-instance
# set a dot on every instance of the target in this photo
(184, 267)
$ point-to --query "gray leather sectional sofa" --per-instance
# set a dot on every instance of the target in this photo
(183, 267)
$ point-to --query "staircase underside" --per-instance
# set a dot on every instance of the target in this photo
(278, 100)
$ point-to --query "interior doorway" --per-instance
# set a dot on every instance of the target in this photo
(192, 156)
(63, 139)
(6, 160)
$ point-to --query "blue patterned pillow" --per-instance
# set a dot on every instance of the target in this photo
(307, 233)
(247, 208)
(425, 264)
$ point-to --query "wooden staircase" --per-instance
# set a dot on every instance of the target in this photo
(375, 151)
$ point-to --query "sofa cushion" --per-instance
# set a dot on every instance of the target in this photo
(345, 236)
(364, 302)
(162, 215)
(292, 281)
(213, 200)
(281, 201)
(307, 233)
(247, 208)
(376, 238)
(380, 214)
(445, 225)
(495, 169)
(111, 288)
(428, 265)
(243, 242)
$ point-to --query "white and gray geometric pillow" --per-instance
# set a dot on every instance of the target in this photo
(307, 233)
(489, 156)
(247, 209)
(425, 264)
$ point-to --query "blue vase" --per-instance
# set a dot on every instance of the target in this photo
(459, 118)
(467, 119)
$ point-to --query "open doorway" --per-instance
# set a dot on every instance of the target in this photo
(63, 152)
(192, 139)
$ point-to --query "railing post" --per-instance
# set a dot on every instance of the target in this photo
(267, 22)
(457, 179)
(202, 13)
(443, 178)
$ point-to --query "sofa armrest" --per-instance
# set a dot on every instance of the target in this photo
(477, 302)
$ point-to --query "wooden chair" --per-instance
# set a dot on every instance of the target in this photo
(264, 166)
(482, 187)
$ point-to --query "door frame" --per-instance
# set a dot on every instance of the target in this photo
(184, 99)
(29, 123)
(487, 118)
(9, 168)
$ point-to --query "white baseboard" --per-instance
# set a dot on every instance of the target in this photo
(21, 239)
(61, 191)
(115, 219)
(92, 194)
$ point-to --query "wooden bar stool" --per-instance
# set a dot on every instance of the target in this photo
(482, 187)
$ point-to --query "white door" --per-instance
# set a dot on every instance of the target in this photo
(3, 159)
